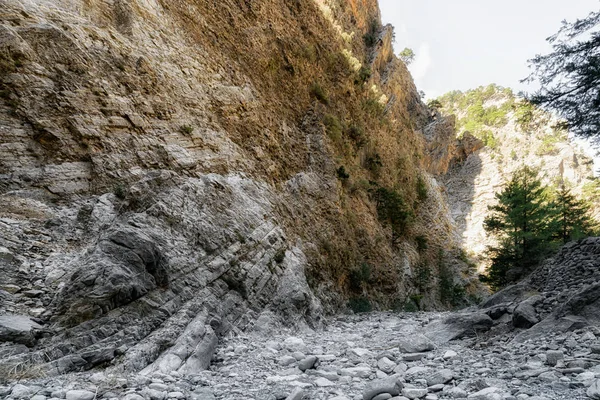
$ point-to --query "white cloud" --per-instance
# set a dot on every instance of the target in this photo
(422, 63)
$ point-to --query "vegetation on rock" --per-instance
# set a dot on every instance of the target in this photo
(530, 221)
(407, 55)
(569, 79)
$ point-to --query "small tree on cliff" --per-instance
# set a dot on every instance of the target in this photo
(520, 221)
(407, 55)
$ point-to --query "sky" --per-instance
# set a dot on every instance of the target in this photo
(463, 44)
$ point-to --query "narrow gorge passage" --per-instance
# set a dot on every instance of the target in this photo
(253, 200)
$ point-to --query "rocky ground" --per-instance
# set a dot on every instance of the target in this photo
(538, 339)
(370, 356)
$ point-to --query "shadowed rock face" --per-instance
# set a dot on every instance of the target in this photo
(125, 266)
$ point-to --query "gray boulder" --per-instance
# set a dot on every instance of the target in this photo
(80, 395)
(525, 315)
(125, 266)
(440, 377)
(458, 326)
(584, 304)
(593, 391)
(308, 363)
(391, 385)
(18, 329)
(415, 343)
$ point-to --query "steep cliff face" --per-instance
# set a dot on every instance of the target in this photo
(172, 171)
(500, 133)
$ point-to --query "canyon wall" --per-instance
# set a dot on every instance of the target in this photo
(174, 171)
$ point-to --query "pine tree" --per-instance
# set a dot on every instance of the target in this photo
(530, 223)
(520, 221)
(571, 218)
(570, 75)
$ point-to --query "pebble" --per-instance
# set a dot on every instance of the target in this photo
(80, 395)
(414, 393)
(133, 396)
(308, 363)
(386, 365)
(21, 391)
(323, 382)
(449, 354)
(441, 376)
(297, 394)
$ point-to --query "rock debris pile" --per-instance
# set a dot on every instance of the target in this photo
(377, 356)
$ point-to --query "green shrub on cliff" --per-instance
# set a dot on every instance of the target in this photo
(393, 210)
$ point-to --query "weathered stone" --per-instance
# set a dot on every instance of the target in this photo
(390, 385)
(81, 395)
(441, 376)
(524, 315)
(323, 382)
(450, 354)
(20, 391)
(456, 393)
(458, 326)
(415, 344)
(132, 396)
(553, 356)
(297, 394)
(18, 329)
(413, 356)
(414, 393)
(593, 391)
(386, 365)
(308, 363)
(382, 396)
(491, 393)
(359, 372)
(153, 394)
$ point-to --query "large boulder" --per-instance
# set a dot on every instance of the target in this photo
(585, 303)
(458, 326)
(510, 294)
(18, 329)
(525, 315)
(593, 391)
(415, 343)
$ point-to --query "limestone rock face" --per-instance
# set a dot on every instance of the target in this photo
(167, 178)
(172, 277)
(440, 137)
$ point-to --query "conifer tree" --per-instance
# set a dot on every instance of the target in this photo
(571, 218)
(530, 224)
(520, 221)
(569, 76)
